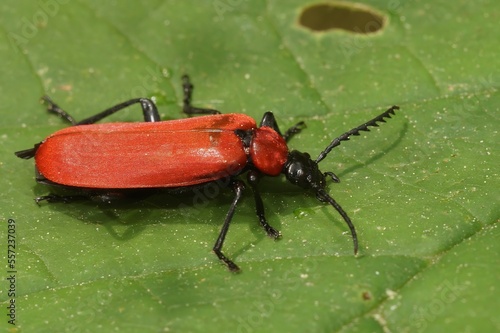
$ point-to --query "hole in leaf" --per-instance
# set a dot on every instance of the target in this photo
(350, 17)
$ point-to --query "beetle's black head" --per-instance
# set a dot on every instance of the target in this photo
(302, 171)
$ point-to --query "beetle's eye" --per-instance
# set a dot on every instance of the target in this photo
(296, 172)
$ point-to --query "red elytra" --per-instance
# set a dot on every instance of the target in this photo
(163, 154)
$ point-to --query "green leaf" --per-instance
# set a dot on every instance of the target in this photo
(422, 190)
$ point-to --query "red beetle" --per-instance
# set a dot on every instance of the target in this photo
(104, 161)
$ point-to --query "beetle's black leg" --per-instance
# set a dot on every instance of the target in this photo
(102, 196)
(270, 121)
(60, 198)
(294, 130)
(238, 188)
(253, 179)
(149, 111)
(53, 107)
(187, 88)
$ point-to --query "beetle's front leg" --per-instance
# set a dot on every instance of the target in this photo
(294, 130)
(253, 179)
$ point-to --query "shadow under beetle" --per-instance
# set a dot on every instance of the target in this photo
(105, 161)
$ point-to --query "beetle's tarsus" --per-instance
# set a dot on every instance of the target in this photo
(273, 233)
(54, 108)
(187, 108)
(230, 265)
(297, 128)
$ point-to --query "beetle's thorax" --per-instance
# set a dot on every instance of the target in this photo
(266, 149)
(302, 171)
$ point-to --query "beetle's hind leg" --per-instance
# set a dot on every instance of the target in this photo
(95, 196)
(53, 107)
(187, 89)
(60, 198)
(149, 111)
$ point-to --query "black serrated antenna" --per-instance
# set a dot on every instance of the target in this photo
(355, 131)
